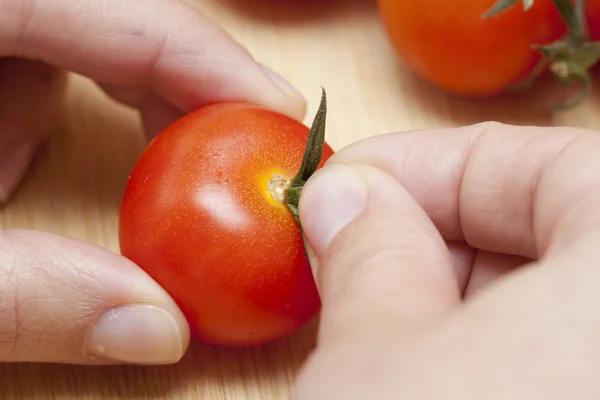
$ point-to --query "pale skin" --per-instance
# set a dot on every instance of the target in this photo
(455, 264)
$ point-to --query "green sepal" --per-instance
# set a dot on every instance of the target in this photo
(313, 153)
(502, 5)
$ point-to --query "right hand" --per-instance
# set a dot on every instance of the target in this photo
(459, 264)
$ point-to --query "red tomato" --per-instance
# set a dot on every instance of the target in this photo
(448, 43)
(201, 216)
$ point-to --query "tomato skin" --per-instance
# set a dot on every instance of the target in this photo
(592, 13)
(450, 45)
(198, 218)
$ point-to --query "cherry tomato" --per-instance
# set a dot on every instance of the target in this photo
(449, 44)
(202, 214)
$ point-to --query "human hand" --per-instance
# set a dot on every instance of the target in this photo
(457, 264)
(63, 300)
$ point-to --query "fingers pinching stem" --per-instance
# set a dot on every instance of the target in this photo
(381, 260)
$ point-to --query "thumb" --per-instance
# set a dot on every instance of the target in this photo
(66, 301)
(381, 260)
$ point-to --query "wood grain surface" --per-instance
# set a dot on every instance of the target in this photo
(75, 186)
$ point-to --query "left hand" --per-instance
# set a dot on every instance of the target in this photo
(64, 300)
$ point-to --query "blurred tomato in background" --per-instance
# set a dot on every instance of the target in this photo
(448, 43)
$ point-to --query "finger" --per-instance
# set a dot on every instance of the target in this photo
(163, 45)
(474, 269)
(29, 96)
(483, 183)
(66, 301)
(550, 307)
(567, 198)
(383, 267)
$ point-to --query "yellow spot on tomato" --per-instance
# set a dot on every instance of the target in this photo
(272, 185)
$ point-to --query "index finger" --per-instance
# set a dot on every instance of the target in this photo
(500, 188)
(165, 45)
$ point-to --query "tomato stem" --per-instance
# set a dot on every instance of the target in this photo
(572, 20)
(311, 159)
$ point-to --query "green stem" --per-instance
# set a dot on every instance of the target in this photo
(580, 14)
(313, 154)
(502, 5)
(571, 19)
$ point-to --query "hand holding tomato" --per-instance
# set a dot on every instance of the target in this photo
(62, 300)
(457, 264)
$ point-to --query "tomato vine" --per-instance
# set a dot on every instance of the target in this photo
(569, 59)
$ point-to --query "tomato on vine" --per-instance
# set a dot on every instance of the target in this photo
(486, 47)
(210, 213)
(448, 43)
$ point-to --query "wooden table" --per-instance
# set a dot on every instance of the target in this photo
(76, 186)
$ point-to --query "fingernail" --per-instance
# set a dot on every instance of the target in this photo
(14, 161)
(283, 83)
(136, 334)
(331, 199)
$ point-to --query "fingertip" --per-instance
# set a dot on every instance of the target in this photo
(138, 333)
(293, 103)
(374, 244)
(157, 113)
(142, 324)
(330, 200)
(95, 306)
